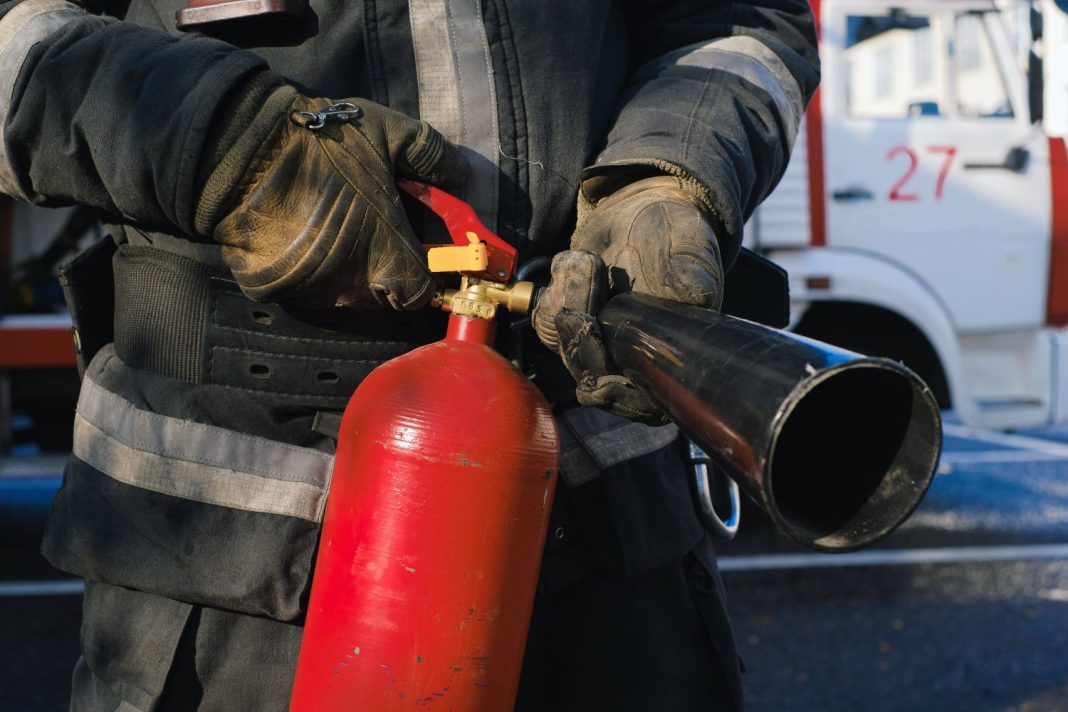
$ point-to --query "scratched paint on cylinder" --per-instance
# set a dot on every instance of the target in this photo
(437, 516)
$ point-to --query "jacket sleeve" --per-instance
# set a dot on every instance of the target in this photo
(717, 94)
(100, 112)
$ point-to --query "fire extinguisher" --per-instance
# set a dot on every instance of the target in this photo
(433, 532)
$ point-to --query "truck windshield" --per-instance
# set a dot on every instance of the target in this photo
(894, 66)
(980, 86)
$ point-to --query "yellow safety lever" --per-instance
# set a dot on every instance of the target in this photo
(459, 258)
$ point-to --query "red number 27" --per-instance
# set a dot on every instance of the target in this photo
(897, 192)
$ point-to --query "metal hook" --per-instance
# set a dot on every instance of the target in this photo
(718, 528)
(344, 112)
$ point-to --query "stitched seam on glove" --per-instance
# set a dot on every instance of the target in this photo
(224, 186)
(383, 160)
(370, 206)
(386, 190)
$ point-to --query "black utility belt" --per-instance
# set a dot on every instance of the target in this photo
(186, 320)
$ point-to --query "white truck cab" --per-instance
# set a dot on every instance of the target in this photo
(924, 215)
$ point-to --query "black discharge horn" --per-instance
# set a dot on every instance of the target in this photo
(836, 447)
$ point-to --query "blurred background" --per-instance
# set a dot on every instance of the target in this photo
(924, 217)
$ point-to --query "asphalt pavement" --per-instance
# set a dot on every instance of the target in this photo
(965, 608)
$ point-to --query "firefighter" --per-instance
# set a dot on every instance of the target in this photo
(262, 263)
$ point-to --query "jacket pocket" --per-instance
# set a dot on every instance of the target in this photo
(183, 509)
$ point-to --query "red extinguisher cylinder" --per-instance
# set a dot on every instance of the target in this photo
(432, 536)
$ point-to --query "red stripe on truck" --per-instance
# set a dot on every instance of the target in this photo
(817, 210)
(814, 139)
(1057, 296)
(32, 346)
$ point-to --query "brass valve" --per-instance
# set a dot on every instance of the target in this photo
(480, 257)
(480, 297)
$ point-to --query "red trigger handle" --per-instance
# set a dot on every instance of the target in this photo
(460, 219)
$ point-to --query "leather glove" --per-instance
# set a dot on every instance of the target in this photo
(648, 237)
(312, 214)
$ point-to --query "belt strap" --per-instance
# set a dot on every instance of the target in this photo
(185, 320)
(162, 304)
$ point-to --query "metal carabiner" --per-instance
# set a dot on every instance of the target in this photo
(718, 528)
(344, 111)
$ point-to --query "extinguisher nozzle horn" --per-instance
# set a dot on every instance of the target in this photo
(838, 448)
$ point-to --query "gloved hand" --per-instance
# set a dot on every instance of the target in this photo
(648, 237)
(306, 205)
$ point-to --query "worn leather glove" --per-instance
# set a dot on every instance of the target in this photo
(649, 237)
(306, 206)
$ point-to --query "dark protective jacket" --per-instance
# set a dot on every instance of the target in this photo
(193, 496)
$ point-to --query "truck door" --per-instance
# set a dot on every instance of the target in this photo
(931, 158)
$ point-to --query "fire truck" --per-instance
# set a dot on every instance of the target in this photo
(924, 213)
